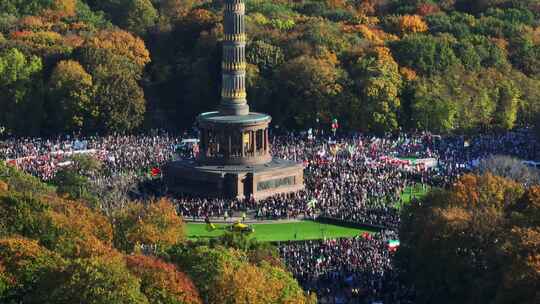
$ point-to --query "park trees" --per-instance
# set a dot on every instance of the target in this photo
(466, 101)
(72, 92)
(162, 282)
(24, 266)
(118, 97)
(226, 276)
(103, 279)
(311, 83)
(379, 81)
(475, 234)
(156, 225)
(21, 102)
(54, 250)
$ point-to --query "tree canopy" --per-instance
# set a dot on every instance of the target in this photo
(476, 242)
(123, 65)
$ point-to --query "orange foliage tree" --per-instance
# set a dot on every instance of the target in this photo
(23, 264)
(121, 43)
(226, 276)
(412, 24)
(486, 227)
(162, 282)
(67, 227)
(156, 224)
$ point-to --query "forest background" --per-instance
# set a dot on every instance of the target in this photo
(447, 66)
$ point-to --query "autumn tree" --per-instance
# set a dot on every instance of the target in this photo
(156, 224)
(71, 96)
(95, 280)
(379, 81)
(118, 97)
(412, 24)
(116, 60)
(162, 282)
(471, 243)
(24, 265)
(310, 85)
(121, 43)
(226, 276)
(69, 228)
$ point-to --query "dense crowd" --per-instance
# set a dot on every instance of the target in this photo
(355, 178)
(119, 153)
(354, 270)
(352, 178)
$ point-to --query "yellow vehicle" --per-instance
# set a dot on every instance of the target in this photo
(239, 227)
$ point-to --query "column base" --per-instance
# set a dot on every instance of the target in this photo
(234, 109)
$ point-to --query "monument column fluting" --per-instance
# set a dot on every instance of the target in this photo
(233, 92)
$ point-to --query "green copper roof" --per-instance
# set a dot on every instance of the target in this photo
(216, 117)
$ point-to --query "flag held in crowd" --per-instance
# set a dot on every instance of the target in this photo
(155, 172)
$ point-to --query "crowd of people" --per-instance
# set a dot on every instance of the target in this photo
(349, 270)
(353, 178)
(118, 153)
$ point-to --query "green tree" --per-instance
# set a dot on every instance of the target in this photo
(71, 92)
(118, 96)
(507, 106)
(21, 8)
(70, 183)
(139, 17)
(377, 76)
(310, 85)
(95, 280)
(433, 108)
(425, 53)
(21, 102)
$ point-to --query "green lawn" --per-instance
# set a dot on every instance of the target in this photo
(416, 191)
(305, 230)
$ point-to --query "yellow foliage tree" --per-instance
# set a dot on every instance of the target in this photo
(412, 24)
(156, 224)
(162, 282)
(72, 89)
(121, 43)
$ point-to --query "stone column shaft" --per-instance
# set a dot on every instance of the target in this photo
(233, 92)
